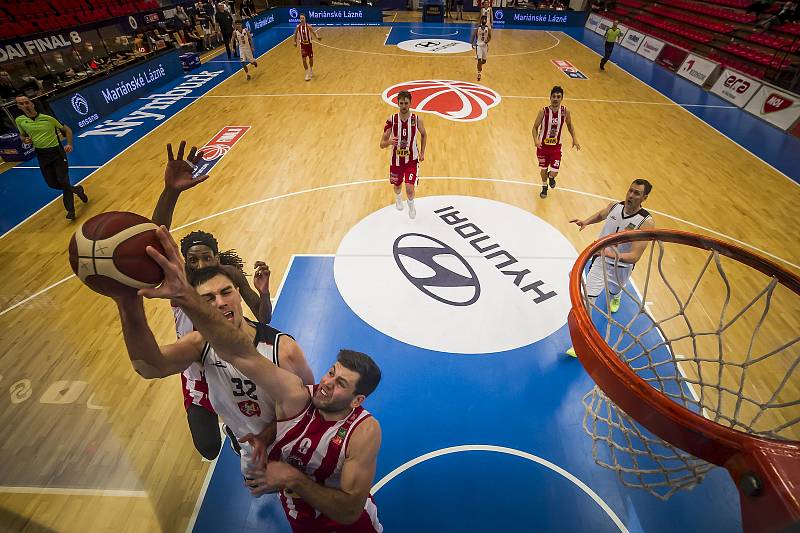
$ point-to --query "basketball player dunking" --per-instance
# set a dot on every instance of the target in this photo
(243, 41)
(400, 132)
(619, 263)
(480, 42)
(302, 35)
(325, 453)
(547, 137)
(200, 250)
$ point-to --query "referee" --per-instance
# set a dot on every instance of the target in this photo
(611, 37)
(40, 130)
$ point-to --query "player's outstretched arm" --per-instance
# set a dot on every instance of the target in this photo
(343, 505)
(535, 130)
(177, 178)
(571, 129)
(423, 138)
(229, 342)
(261, 282)
(292, 358)
(595, 218)
(149, 359)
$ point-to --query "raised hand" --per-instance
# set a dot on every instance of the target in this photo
(261, 277)
(581, 224)
(178, 174)
(175, 286)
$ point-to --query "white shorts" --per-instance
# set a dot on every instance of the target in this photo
(482, 51)
(246, 55)
(614, 279)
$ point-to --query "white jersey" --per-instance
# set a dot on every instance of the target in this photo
(242, 39)
(486, 12)
(617, 221)
(245, 407)
(482, 35)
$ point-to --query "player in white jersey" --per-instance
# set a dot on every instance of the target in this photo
(200, 250)
(400, 133)
(248, 410)
(242, 40)
(325, 456)
(480, 42)
(618, 263)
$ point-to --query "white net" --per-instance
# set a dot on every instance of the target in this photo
(720, 341)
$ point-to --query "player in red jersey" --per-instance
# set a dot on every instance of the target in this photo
(325, 452)
(547, 136)
(400, 132)
(302, 34)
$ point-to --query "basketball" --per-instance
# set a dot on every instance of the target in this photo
(108, 253)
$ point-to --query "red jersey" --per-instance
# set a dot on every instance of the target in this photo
(317, 447)
(405, 131)
(304, 32)
(552, 124)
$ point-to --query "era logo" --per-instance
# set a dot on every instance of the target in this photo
(737, 84)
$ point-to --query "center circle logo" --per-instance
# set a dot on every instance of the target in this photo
(435, 46)
(468, 275)
(459, 101)
(293, 13)
(79, 104)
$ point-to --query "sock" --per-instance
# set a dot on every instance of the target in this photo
(399, 197)
(411, 203)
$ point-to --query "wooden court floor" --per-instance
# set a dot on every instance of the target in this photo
(89, 446)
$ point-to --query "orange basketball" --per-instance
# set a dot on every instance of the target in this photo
(108, 253)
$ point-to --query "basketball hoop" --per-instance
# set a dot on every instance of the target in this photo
(708, 376)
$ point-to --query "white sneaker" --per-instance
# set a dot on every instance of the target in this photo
(310, 74)
(412, 212)
(398, 203)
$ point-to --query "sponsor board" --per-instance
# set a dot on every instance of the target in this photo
(459, 101)
(261, 22)
(463, 267)
(219, 145)
(650, 48)
(777, 107)
(435, 46)
(338, 16)
(603, 26)
(671, 57)
(697, 69)
(735, 87)
(633, 40)
(526, 17)
(569, 69)
(592, 21)
(91, 103)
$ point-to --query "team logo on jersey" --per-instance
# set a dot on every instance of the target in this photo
(338, 439)
(250, 408)
(463, 267)
(459, 101)
(219, 145)
(436, 269)
(305, 444)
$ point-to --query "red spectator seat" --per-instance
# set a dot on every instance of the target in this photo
(719, 27)
(774, 41)
(745, 68)
(716, 12)
(792, 28)
(774, 60)
(674, 28)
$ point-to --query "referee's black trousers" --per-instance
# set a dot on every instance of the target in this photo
(607, 55)
(54, 167)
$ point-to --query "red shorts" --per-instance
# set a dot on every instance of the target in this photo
(405, 172)
(306, 50)
(549, 156)
(322, 524)
(195, 391)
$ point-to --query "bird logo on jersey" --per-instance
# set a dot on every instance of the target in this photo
(459, 101)
(250, 408)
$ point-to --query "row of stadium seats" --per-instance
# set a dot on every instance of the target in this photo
(741, 4)
(774, 60)
(694, 20)
(658, 22)
(774, 41)
(741, 66)
(721, 13)
(661, 34)
(792, 28)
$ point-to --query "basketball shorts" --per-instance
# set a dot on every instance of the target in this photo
(195, 389)
(613, 280)
(403, 173)
(306, 50)
(482, 51)
(246, 55)
(301, 523)
(549, 157)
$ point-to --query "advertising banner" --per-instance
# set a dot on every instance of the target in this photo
(650, 48)
(671, 57)
(735, 88)
(697, 69)
(775, 106)
(633, 40)
(526, 17)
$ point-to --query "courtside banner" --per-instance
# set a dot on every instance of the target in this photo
(671, 57)
(735, 87)
(331, 16)
(775, 106)
(650, 48)
(697, 69)
(602, 26)
(261, 22)
(503, 17)
(219, 145)
(624, 29)
(633, 40)
(592, 22)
